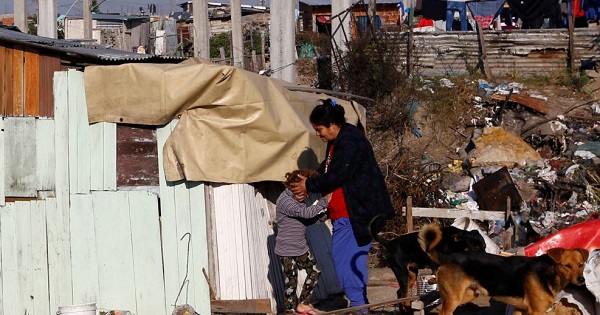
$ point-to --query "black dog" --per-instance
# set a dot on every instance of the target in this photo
(405, 255)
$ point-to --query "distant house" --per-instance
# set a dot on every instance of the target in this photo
(122, 32)
(316, 14)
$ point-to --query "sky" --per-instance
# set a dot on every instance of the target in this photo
(73, 7)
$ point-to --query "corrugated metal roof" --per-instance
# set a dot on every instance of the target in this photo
(117, 17)
(70, 48)
(328, 2)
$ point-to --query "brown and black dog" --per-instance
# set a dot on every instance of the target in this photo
(405, 256)
(528, 283)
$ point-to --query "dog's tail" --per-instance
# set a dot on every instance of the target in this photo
(375, 226)
(429, 237)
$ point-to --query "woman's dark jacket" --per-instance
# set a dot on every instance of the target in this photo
(354, 168)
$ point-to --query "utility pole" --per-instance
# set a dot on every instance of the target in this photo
(372, 14)
(201, 29)
(20, 15)
(87, 19)
(236, 32)
(47, 18)
(283, 40)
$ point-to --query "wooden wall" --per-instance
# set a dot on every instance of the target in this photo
(514, 52)
(26, 82)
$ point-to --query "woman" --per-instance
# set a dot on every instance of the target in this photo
(359, 194)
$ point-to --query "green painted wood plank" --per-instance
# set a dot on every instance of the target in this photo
(2, 165)
(41, 298)
(45, 154)
(200, 248)
(20, 157)
(115, 257)
(97, 156)
(147, 260)
(84, 257)
(25, 255)
(11, 289)
(168, 225)
(57, 210)
(110, 156)
(184, 226)
(79, 135)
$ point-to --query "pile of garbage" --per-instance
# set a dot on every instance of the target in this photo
(546, 171)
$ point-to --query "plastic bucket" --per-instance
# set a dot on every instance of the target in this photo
(81, 309)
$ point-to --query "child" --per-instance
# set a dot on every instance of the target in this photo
(294, 213)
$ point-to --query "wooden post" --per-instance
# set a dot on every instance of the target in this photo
(409, 217)
(222, 53)
(254, 61)
(482, 53)
(571, 44)
(87, 21)
(237, 47)
(263, 64)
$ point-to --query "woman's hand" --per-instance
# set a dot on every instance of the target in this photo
(299, 188)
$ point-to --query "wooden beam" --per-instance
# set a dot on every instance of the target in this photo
(453, 213)
(409, 215)
(358, 308)
(571, 43)
(482, 53)
(256, 306)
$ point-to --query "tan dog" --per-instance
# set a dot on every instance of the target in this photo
(529, 283)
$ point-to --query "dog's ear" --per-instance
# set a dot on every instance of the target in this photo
(555, 253)
(584, 252)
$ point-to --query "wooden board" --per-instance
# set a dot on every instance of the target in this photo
(456, 213)
(103, 156)
(147, 259)
(113, 245)
(57, 210)
(79, 135)
(46, 154)
(84, 257)
(20, 157)
(2, 165)
(255, 306)
(11, 290)
(537, 104)
(18, 104)
(39, 259)
(31, 75)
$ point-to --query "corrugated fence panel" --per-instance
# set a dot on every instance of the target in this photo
(516, 52)
(20, 156)
(183, 211)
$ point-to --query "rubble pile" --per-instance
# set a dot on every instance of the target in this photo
(521, 148)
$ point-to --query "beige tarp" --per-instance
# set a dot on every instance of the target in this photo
(235, 126)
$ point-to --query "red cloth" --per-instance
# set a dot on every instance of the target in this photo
(485, 20)
(582, 235)
(425, 22)
(336, 208)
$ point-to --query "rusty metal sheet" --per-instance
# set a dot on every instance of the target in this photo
(137, 156)
(493, 190)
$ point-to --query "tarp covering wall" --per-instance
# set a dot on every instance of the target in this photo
(235, 126)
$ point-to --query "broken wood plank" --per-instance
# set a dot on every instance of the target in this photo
(373, 305)
(451, 213)
(482, 53)
(537, 104)
(256, 306)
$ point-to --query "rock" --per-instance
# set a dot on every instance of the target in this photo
(455, 182)
(500, 147)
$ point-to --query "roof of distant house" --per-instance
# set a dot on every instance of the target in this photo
(328, 2)
(74, 49)
(111, 17)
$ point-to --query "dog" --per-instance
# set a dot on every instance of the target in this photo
(528, 283)
(405, 256)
